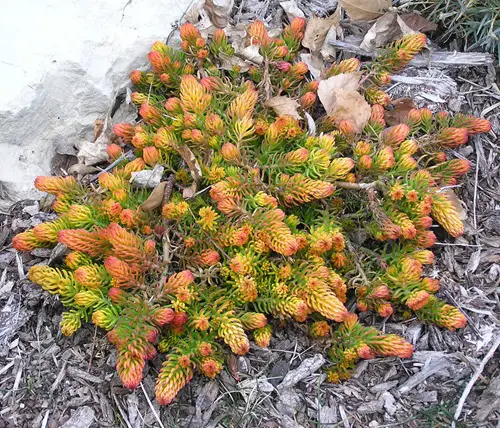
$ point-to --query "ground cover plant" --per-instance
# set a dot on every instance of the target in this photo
(281, 197)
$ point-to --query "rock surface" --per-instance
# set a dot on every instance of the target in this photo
(62, 62)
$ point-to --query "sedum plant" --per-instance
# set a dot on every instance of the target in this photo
(258, 215)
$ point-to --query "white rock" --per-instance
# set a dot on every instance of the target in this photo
(61, 64)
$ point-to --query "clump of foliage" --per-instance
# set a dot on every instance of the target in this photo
(255, 216)
(476, 22)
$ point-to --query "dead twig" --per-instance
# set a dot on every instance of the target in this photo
(473, 380)
(151, 407)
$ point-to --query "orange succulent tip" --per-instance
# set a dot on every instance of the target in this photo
(339, 260)
(459, 167)
(413, 43)
(82, 240)
(157, 61)
(149, 113)
(280, 52)
(175, 210)
(385, 309)
(307, 100)
(392, 345)
(376, 96)
(478, 126)
(430, 285)
(418, 300)
(395, 135)
(26, 241)
(179, 280)
(380, 292)
(396, 192)
(104, 319)
(210, 367)
(411, 196)
(114, 151)
(414, 117)
(257, 34)
(86, 299)
(230, 152)
(365, 352)
(151, 155)
(189, 32)
(70, 322)
(298, 25)
(136, 77)
(350, 320)
(350, 178)
(205, 349)
(211, 83)
(165, 78)
(445, 213)
(208, 258)
(253, 320)
(440, 157)
(202, 54)
(138, 98)
(180, 319)
(365, 162)
(220, 36)
(452, 137)
(311, 86)
(362, 148)
(319, 329)
(117, 295)
(347, 127)
(340, 167)
(384, 158)
(75, 259)
(408, 147)
(299, 69)
(377, 114)
(262, 336)
(407, 163)
(130, 369)
(124, 130)
(452, 318)
(200, 42)
(425, 239)
(55, 185)
(173, 105)
(383, 78)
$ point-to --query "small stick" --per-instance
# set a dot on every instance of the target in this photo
(474, 202)
(92, 350)
(357, 186)
(151, 406)
(473, 380)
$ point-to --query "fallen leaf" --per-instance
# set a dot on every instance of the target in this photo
(328, 50)
(365, 10)
(228, 62)
(346, 81)
(155, 198)
(399, 112)
(147, 178)
(191, 162)
(249, 53)
(232, 365)
(218, 11)
(316, 31)
(342, 101)
(418, 22)
(386, 29)
(291, 9)
(95, 153)
(283, 106)
(314, 63)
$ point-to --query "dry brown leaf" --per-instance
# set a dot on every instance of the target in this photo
(191, 162)
(228, 62)
(284, 106)
(155, 198)
(218, 11)
(399, 113)
(418, 22)
(98, 128)
(342, 101)
(346, 81)
(365, 10)
(316, 31)
(386, 29)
